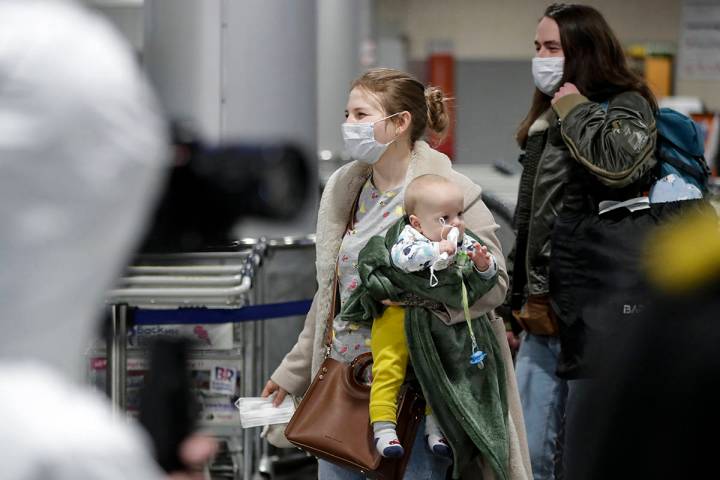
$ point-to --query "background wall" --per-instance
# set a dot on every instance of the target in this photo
(487, 118)
(492, 44)
(505, 29)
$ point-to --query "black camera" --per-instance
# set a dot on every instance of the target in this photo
(210, 188)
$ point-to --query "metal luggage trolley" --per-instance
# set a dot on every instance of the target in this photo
(200, 289)
(223, 289)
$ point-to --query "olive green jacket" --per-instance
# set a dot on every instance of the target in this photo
(614, 146)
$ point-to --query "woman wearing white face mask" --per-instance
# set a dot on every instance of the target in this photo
(388, 113)
(589, 136)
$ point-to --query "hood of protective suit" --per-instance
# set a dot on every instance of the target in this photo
(82, 152)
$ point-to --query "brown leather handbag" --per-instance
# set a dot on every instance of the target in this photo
(332, 421)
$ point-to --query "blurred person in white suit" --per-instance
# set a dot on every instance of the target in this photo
(82, 156)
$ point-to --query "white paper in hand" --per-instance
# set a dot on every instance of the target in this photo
(258, 411)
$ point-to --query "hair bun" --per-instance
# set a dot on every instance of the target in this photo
(438, 119)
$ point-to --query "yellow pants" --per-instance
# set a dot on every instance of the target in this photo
(390, 359)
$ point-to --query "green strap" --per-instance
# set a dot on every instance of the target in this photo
(466, 308)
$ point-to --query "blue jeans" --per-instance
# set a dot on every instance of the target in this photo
(423, 464)
(543, 397)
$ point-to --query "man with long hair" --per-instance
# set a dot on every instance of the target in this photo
(589, 136)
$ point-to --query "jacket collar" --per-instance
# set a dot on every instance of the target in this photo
(543, 122)
(424, 160)
(427, 160)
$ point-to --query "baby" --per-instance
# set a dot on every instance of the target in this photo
(434, 207)
(432, 240)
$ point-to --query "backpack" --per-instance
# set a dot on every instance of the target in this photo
(680, 149)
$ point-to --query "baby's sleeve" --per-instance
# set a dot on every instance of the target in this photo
(413, 252)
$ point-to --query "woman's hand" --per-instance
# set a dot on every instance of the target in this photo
(567, 89)
(272, 387)
(196, 451)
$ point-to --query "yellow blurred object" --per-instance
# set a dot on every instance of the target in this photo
(684, 254)
(637, 50)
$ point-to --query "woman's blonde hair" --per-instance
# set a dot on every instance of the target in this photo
(399, 91)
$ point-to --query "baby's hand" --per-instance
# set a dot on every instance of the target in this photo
(447, 246)
(480, 257)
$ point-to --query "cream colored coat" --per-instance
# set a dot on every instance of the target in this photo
(300, 365)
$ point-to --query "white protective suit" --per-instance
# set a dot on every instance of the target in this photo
(82, 153)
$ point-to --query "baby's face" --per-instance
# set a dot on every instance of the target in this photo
(440, 208)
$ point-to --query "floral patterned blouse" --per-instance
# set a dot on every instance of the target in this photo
(375, 213)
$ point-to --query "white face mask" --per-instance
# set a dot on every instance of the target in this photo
(443, 259)
(547, 73)
(360, 141)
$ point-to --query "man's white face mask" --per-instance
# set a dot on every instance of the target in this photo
(547, 73)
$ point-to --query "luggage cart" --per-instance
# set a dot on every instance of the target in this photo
(213, 287)
(194, 288)
(273, 462)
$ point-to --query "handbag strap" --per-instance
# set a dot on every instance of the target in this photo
(331, 316)
(334, 308)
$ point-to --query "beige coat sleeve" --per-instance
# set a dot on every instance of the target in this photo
(479, 219)
(293, 373)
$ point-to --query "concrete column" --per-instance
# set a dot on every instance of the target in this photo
(182, 58)
(242, 72)
(341, 31)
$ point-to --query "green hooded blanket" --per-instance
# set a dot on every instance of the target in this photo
(470, 403)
